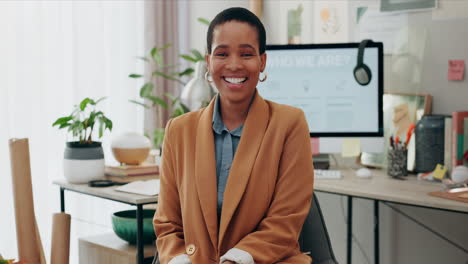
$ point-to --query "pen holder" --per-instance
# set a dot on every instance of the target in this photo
(397, 162)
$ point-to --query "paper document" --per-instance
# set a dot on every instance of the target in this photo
(150, 187)
(351, 147)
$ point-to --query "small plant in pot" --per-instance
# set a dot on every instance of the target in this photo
(84, 157)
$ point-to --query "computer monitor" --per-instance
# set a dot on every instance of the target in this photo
(319, 79)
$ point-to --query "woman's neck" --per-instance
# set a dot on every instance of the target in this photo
(233, 114)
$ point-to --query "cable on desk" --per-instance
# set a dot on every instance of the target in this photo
(426, 227)
(361, 248)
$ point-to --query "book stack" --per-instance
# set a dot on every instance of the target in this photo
(459, 137)
(130, 173)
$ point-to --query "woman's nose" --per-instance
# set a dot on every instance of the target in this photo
(234, 63)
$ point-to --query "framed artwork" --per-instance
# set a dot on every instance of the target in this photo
(407, 5)
(400, 111)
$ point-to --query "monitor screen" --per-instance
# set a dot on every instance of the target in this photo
(319, 80)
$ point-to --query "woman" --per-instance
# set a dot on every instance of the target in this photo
(237, 176)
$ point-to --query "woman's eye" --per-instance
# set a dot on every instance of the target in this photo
(247, 55)
(221, 54)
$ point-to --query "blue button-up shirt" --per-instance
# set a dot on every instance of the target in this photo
(226, 143)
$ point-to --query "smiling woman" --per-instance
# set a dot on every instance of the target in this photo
(238, 187)
(235, 64)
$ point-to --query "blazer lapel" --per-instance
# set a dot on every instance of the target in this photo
(205, 172)
(244, 159)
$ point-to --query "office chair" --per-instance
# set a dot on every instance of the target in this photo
(313, 238)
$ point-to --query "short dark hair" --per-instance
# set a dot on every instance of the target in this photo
(238, 14)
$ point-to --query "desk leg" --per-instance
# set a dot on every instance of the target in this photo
(350, 230)
(62, 200)
(140, 245)
(376, 232)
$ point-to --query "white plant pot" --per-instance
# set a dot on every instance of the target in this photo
(83, 163)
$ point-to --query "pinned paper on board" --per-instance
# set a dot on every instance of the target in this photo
(351, 147)
(456, 70)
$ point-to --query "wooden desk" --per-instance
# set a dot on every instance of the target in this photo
(382, 188)
(110, 194)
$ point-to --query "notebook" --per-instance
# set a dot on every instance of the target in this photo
(149, 187)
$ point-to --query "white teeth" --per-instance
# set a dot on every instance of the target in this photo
(235, 80)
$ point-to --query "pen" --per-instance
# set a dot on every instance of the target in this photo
(409, 133)
(391, 142)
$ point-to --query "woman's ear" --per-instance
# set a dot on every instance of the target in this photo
(263, 59)
(207, 60)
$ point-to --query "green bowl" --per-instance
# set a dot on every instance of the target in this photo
(125, 226)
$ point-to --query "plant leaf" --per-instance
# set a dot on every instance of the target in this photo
(146, 89)
(153, 51)
(188, 57)
(109, 124)
(101, 128)
(164, 47)
(204, 21)
(169, 66)
(143, 59)
(172, 98)
(134, 75)
(62, 120)
(157, 101)
(139, 103)
(158, 59)
(197, 55)
(187, 71)
(64, 125)
(84, 103)
(158, 73)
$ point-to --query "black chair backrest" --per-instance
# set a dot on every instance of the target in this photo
(314, 236)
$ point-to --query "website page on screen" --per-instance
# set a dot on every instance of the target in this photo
(322, 84)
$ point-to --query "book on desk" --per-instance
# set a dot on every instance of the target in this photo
(132, 170)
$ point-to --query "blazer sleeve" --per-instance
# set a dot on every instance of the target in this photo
(277, 235)
(167, 220)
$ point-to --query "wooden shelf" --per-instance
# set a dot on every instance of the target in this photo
(108, 248)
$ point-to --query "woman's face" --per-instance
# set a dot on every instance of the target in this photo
(235, 62)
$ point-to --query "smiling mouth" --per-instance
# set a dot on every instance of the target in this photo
(235, 80)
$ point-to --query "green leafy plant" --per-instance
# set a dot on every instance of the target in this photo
(161, 70)
(167, 101)
(81, 122)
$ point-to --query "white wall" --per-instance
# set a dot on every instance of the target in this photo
(401, 241)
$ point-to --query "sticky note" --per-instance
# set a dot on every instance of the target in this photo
(315, 144)
(439, 172)
(456, 70)
(351, 147)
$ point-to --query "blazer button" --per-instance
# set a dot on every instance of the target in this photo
(190, 249)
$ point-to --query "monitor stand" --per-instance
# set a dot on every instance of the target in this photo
(322, 162)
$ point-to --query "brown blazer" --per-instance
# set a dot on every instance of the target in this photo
(268, 192)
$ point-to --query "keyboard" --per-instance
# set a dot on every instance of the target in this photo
(327, 174)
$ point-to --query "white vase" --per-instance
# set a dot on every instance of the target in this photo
(197, 92)
(83, 162)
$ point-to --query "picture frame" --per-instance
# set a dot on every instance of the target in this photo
(408, 5)
(400, 110)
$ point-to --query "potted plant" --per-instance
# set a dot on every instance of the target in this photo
(167, 101)
(84, 157)
(162, 70)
